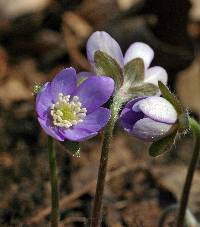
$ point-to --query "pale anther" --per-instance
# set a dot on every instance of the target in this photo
(66, 113)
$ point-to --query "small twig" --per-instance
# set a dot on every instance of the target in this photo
(172, 209)
(72, 219)
(66, 200)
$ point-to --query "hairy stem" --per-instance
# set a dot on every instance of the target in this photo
(97, 207)
(188, 182)
(54, 184)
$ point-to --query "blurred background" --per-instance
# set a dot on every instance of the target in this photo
(40, 37)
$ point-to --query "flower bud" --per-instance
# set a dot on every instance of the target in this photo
(149, 118)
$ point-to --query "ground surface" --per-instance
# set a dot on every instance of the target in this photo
(38, 40)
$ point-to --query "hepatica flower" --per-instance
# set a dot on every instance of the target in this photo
(68, 111)
(155, 119)
(132, 71)
(148, 118)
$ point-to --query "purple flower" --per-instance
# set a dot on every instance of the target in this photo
(148, 118)
(68, 111)
(102, 41)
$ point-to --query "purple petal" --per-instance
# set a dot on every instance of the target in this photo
(44, 100)
(139, 50)
(78, 134)
(94, 92)
(130, 104)
(102, 41)
(159, 109)
(64, 82)
(50, 130)
(154, 74)
(96, 120)
(150, 130)
(128, 118)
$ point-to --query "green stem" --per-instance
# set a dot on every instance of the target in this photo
(54, 184)
(97, 207)
(188, 182)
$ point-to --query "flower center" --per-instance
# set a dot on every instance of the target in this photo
(67, 113)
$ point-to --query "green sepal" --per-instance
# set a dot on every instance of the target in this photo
(170, 97)
(143, 89)
(107, 66)
(134, 71)
(163, 145)
(182, 116)
(73, 147)
(183, 122)
(134, 85)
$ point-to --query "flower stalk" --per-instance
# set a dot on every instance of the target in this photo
(188, 182)
(54, 184)
(108, 134)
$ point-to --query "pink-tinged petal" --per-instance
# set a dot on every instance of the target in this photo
(64, 82)
(102, 41)
(158, 109)
(139, 50)
(96, 120)
(44, 100)
(150, 130)
(50, 130)
(154, 74)
(78, 134)
(94, 92)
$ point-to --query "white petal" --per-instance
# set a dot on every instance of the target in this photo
(104, 42)
(158, 109)
(154, 74)
(139, 50)
(149, 129)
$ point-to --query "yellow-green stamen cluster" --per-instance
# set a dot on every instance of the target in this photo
(66, 113)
